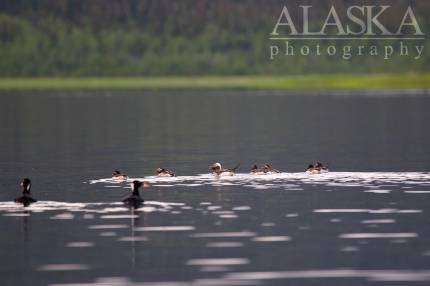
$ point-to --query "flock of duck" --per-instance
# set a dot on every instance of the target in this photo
(135, 200)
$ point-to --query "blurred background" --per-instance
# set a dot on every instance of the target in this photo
(162, 37)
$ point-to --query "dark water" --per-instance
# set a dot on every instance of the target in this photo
(364, 223)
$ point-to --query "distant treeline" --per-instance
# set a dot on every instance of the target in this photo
(164, 37)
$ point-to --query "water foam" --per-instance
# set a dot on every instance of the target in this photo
(287, 181)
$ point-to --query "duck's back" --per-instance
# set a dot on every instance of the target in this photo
(25, 200)
(133, 201)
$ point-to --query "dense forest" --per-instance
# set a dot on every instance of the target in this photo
(187, 37)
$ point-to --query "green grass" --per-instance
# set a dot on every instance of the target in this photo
(305, 82)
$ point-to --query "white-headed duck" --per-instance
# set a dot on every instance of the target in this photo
(117, 175)
(134, 200)
(217, 170)
(162, 172)
(26, 198)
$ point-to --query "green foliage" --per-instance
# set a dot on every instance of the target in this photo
(302, 82)
(154, 38)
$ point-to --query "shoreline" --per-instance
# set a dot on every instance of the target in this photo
(376, 93)
(379, 83)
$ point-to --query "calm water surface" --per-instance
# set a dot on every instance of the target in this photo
(364, 223)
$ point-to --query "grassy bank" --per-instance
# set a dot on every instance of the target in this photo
(306, 82)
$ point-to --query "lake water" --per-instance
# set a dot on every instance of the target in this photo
(366, 222)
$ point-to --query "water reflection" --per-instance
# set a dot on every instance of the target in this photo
(220, 243)
(26, 225)
(243, 230)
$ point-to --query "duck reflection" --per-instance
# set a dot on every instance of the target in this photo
(137, 219)
(25, 225)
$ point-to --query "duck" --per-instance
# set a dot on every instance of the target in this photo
(26, 198)
(117, 175)
(162, 172)
(217, 170)
(255, 170)
(264, 170)
(270, 170)
(312, 170)
(321, 168)
(134, 200)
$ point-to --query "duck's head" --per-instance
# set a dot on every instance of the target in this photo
(254, 167)
(116, 173)
(26, 185)
(310, 166)
(160, 170)
(216, 166)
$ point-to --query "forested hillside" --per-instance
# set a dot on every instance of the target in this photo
(165, 37)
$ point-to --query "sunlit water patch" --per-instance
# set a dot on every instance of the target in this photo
(63, 267)
(371, 275)
(218, 261)
(378, 235)
(13, 209)
(271, 238)
(79, 244)
(217, 234)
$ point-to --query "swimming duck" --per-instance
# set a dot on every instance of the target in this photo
(25, 199)
(312, 170)
(255, 170)
(134, 200)
(161, 172)
(320, 167)
(219, 171)
(264, 170)
(270, 170)
(117, 175)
